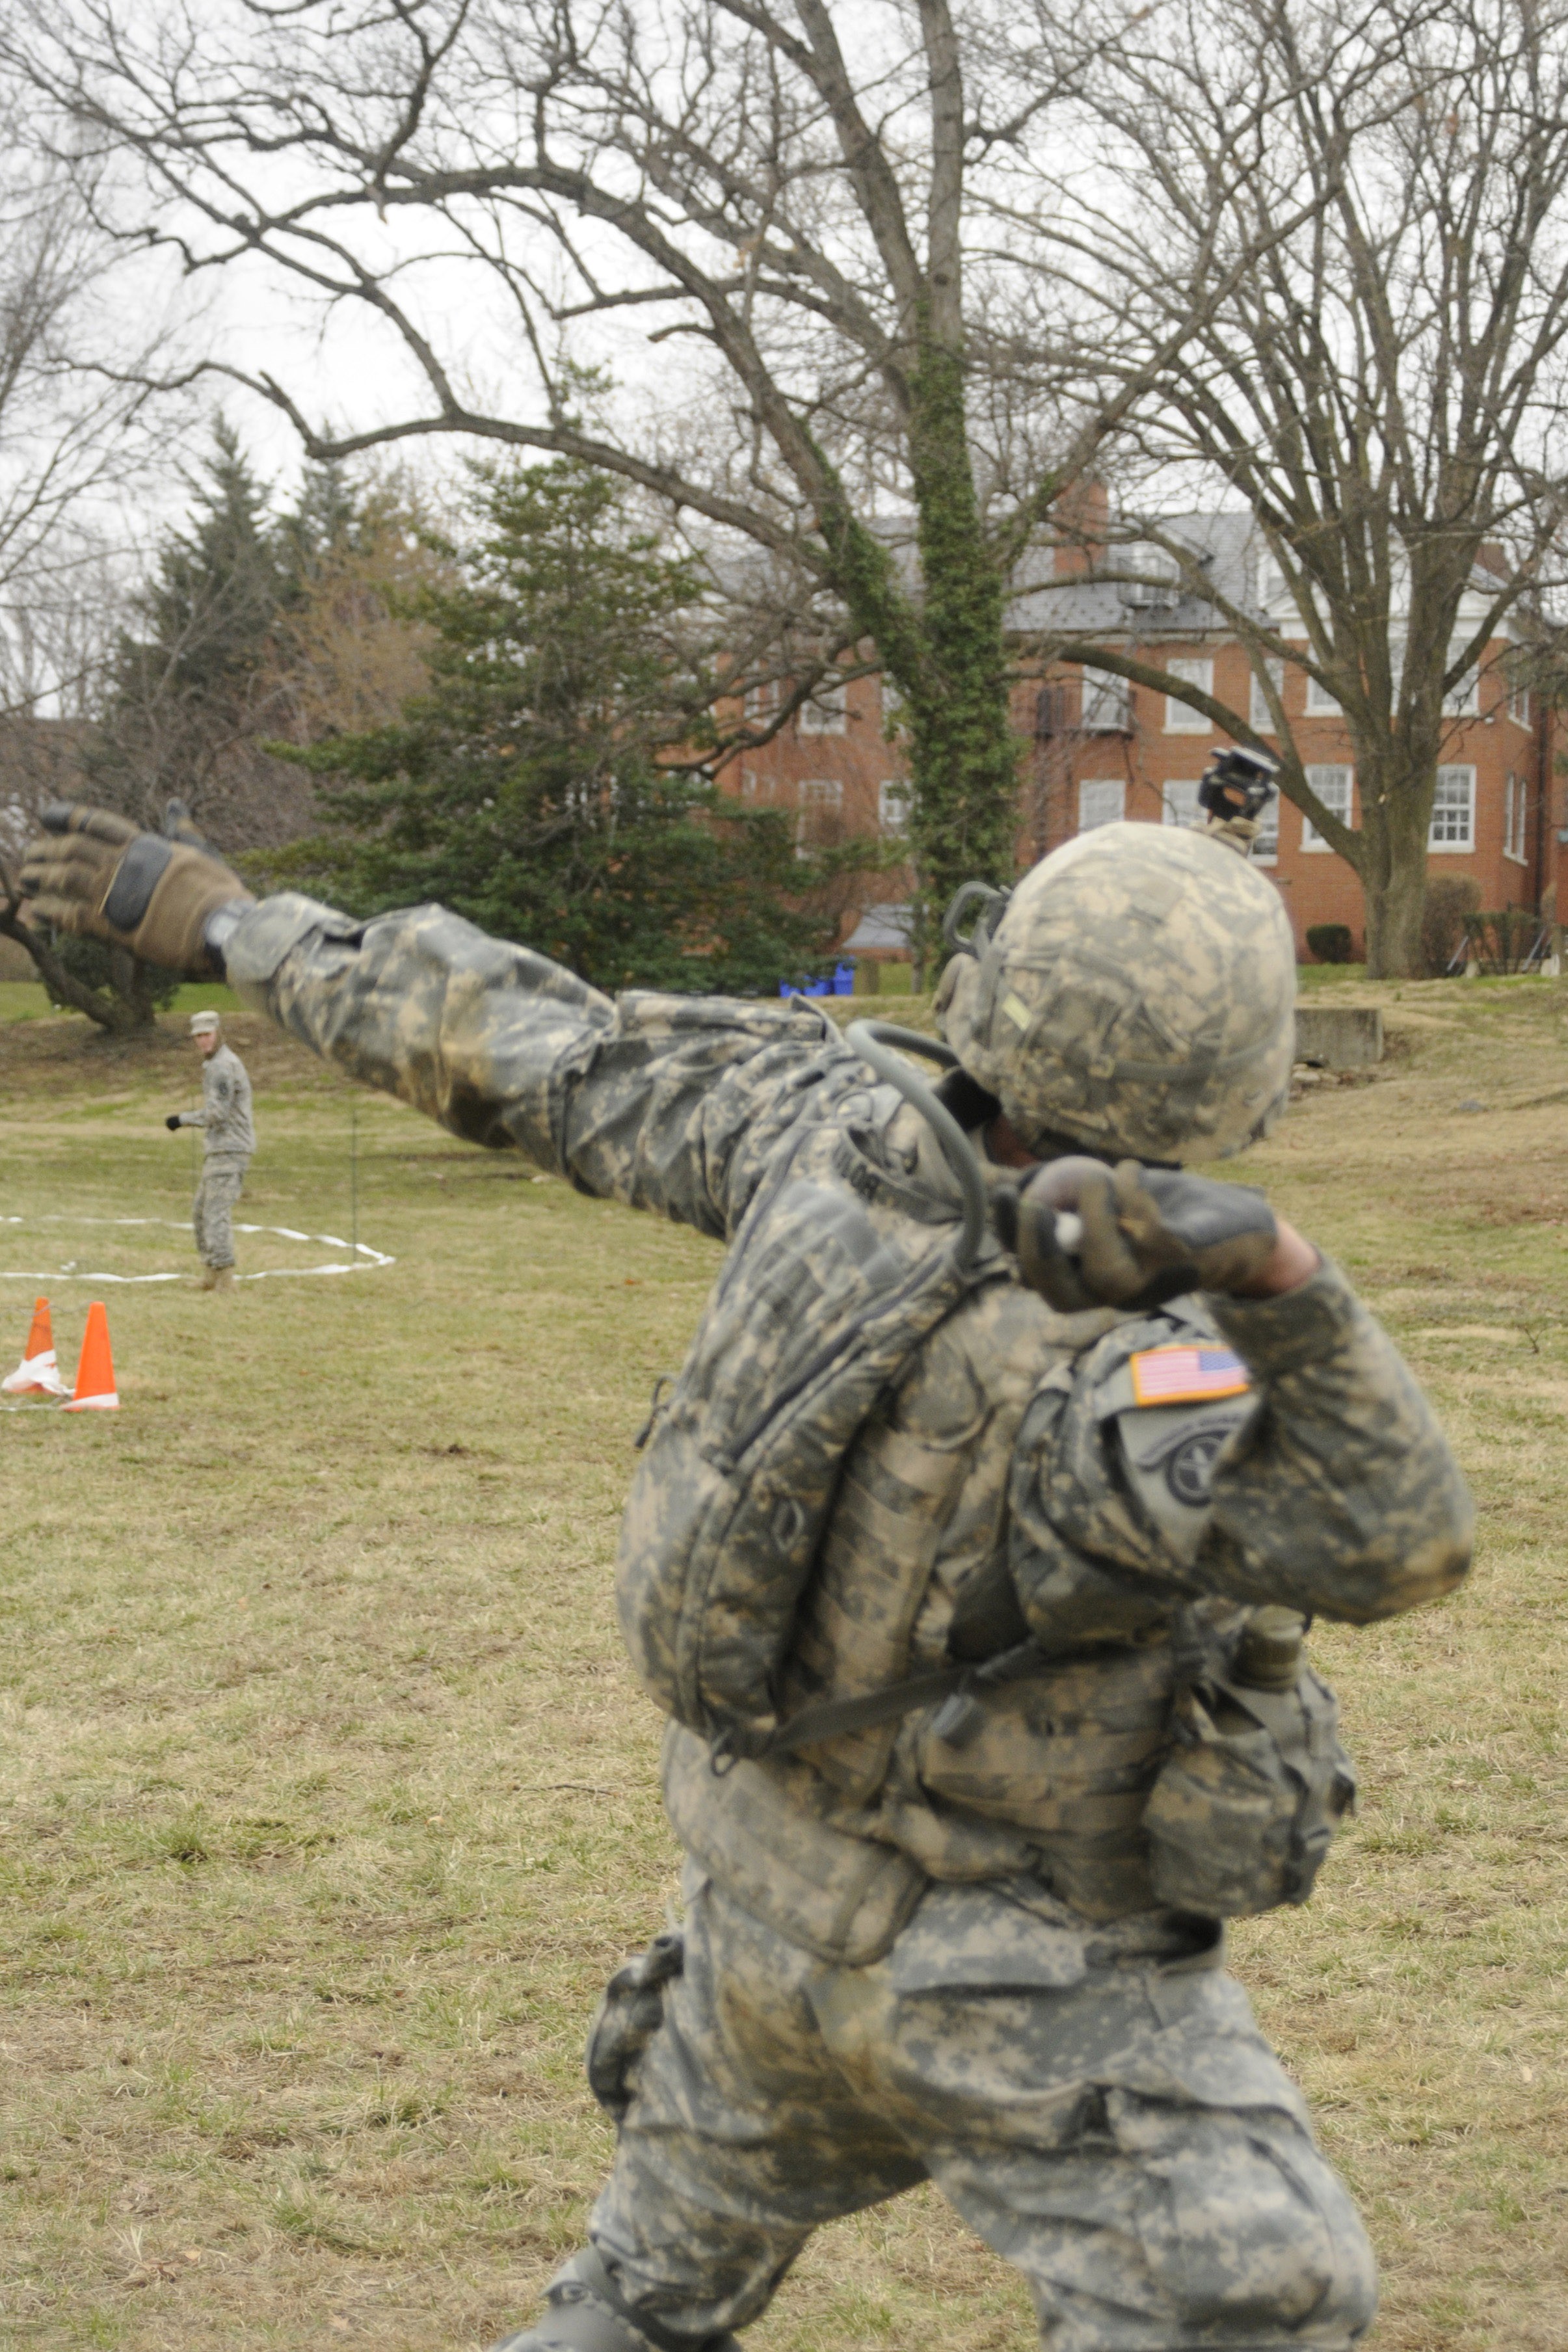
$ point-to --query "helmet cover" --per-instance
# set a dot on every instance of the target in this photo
(1136, 996)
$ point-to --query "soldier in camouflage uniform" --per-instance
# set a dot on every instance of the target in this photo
(228, 1139)
(944, 1577)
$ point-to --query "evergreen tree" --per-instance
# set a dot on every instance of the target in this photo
(524, 789)
(204, 675)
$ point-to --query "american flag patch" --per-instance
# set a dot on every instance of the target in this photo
(1187, 1375)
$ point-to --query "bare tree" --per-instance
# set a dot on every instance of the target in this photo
(76, 435)
(790, 228)
(1381, 380)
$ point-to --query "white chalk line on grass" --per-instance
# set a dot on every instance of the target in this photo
(365, 1259)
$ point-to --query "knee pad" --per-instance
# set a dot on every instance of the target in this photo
(584, 2311)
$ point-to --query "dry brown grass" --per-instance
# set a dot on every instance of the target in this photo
(326, 1800)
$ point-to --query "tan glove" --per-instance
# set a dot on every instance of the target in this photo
(1140, 1236)
(92, 872)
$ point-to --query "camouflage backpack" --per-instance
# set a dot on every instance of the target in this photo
(841, 1266)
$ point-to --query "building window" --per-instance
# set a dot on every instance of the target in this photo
(748, 784)
(761, 702)
(1107, 704)
(892, 703)
(892, 806)
(1396, 671)
(1514, 805)
(1271, 586)
(1258, 711)
(826, 713)
(1101, 801)
(1178, 802)
(1159, 579)
(1180, 717)
(1321, 703)
(1463, 700)
(1265, 846)
(1334, 787)
(1519, 705)
(1454, 810)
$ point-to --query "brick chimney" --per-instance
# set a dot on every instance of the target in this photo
(1080, 516)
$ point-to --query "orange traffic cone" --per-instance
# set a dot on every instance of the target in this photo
(37, 1374)
(95, 1372)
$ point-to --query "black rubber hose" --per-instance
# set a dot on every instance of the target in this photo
(871, 1040)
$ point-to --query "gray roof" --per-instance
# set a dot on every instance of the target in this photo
(1045, 603)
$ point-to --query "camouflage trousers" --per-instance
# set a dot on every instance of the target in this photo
(1123, 2135)
(211, 1212)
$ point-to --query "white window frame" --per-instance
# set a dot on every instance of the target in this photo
(1271, 582)
(1320, 702)
(1465, 701)
(1258, 712)
(1193, 669)
(1107, 704)
(894, 799)
(1318, 778)
(1161, 584)
(828, 713)
(1178, 802)
(748, 784)
(1395, 670)
(1450, 776)
(1515, 819)
(1266, 847)
(1110, 787)
(760, 702)
(1519, 706)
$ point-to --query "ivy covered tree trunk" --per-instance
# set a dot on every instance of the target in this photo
(963, 753)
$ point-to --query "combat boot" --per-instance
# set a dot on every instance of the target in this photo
(223, 1278)
(210, 1278)
(585, 2312)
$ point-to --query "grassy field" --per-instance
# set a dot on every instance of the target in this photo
(326, 1801)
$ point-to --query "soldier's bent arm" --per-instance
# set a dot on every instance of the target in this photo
(666, 1103)
(1335, 1491)
(1344, 1498)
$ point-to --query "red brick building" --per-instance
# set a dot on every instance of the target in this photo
(1100, 749)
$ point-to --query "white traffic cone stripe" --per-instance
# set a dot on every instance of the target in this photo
(35, 1376)
(109, 1403)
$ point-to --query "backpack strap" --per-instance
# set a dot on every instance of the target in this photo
(960, 1686)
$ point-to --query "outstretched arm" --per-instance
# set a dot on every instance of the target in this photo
(668, 1103)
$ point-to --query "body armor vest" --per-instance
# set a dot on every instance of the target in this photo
(833, 1478)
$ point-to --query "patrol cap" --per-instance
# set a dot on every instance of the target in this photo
(1137, 996)
(204, 1024)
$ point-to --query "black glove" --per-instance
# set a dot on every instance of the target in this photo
(173, 1121)
(94, 874)
(1140, 1236)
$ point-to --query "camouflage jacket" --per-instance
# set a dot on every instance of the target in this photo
(1013, 1438)
(225, 1115)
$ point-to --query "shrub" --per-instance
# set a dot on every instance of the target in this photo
(1330, 942)
(1502, 942)
(1449, 898)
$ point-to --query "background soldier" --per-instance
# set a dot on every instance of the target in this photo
(228, 1140)
(961, 1558)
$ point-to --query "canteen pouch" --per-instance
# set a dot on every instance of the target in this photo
(628, 2015)
(1247, 1803)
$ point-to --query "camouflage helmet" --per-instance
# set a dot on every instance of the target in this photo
(1136, 996)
